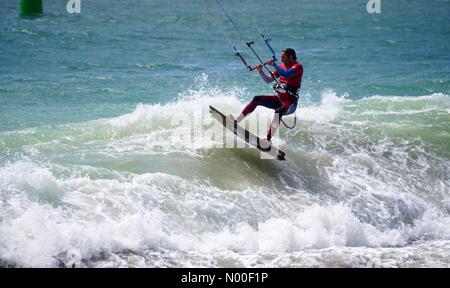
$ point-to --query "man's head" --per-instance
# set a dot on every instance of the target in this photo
(288, 56)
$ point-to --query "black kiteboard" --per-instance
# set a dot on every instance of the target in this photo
(246, 135)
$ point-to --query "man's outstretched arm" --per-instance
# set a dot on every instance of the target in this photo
(265, 77)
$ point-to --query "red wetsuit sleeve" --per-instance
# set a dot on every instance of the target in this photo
(299, 69)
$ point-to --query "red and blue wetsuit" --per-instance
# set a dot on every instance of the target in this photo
(282, 102)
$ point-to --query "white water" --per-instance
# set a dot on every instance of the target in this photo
(112, 192)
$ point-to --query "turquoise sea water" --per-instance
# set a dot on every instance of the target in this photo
(90, 173)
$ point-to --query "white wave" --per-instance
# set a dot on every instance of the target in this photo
(319, 227)
(141, 212)
(435, 97)
(328, 110)
(36, 181)
(53, 213)
(402, 112)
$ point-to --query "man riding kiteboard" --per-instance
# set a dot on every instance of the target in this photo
(289, 75)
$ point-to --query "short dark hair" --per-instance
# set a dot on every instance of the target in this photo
(291, 52)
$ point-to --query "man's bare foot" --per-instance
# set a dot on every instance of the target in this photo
(238, 119)
(231, 117)
(266, 144)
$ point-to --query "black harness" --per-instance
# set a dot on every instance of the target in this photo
(293, 92)
(286, 89)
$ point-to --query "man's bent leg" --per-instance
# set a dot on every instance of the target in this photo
(279, 112)
(267, 101)
(273, 126)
